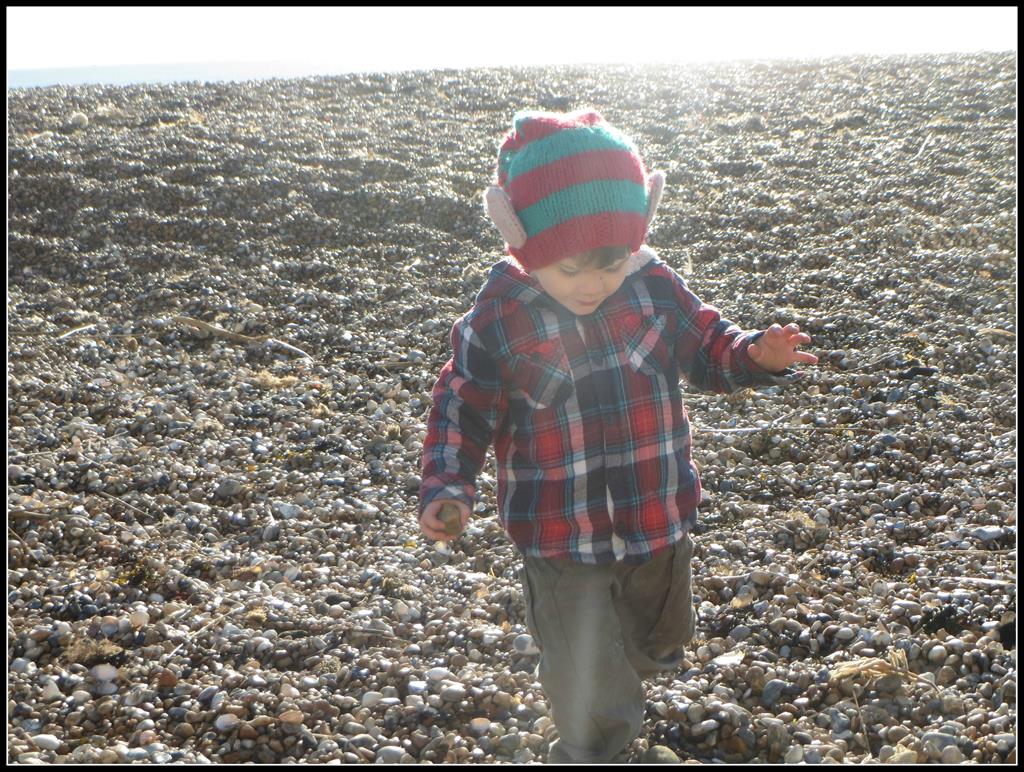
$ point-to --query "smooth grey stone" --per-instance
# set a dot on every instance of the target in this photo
(47, 742)
(453, 693)
(524, 644)
(660, 754)
(390, 754)
(772, 691)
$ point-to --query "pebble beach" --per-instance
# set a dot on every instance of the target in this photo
(228, 304)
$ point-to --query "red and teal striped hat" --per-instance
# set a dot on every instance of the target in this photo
(575, 184)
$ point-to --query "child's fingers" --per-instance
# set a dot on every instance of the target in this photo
(432, 525)
(772, 336)
(433, 533)
(806, 357)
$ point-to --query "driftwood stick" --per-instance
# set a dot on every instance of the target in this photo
(923, 146)
(194, 633)
(124, 503)
(218, 332)
(274, 342)
(249, 340)
(69, 333)
(31, 514)
(14, 533)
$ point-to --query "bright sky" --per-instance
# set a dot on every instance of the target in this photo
(398, 38)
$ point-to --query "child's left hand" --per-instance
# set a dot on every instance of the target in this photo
(777, 348)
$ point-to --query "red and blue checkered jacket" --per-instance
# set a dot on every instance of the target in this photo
(591, 438)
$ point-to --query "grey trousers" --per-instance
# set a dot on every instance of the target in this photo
(601, 629)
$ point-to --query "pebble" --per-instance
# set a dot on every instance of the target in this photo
(226, 722)
(139, 618)
(230, 573)
(988, 534)
(104, 672)
(659, 754)
(708, 725)
(937, 654)
(438, 674)
(772, 691)
(453, 693)
(389, 754)
(524, 644)
(417, 687)
(47, 742)
(951, 755)
(935, 742)
(370, 699)
(51, 692)
(229, 487)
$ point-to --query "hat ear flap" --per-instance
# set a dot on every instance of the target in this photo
(655, 186)
(499, 209)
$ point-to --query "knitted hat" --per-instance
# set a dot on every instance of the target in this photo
(569, 183)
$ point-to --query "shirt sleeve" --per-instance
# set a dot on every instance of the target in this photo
(712, 351)
(468, 404)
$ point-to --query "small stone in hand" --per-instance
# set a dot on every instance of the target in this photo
(449, 515)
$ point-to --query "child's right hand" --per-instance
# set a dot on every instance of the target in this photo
(432, 525)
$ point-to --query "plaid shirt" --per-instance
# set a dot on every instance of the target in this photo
(591, 438)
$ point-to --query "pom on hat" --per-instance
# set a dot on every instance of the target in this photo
(569, 183)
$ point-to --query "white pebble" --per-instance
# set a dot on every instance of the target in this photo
(46, 741)
(51, 692)
(704, 727)
(438, 674)
(139, 618)
(390, 754)
(937, 654)
(104, 672)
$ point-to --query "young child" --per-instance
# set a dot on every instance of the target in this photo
(569, 362)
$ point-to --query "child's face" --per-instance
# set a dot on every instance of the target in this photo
(579, 289)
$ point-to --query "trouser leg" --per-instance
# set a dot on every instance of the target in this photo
(595, 695)
(655, 607)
